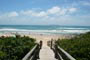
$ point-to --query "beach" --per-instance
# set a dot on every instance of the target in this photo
(43, 32)
(38, 36)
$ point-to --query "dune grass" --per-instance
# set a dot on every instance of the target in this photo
(78, 47)
(14, 48)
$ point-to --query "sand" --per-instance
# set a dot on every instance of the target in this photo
(39, 36)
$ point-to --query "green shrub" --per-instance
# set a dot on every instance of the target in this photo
(78, 47)
(15, 48)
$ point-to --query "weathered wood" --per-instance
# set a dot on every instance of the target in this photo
(32, 53)
(60, 53)
(60, 57)
(67, 54)
(46, 53)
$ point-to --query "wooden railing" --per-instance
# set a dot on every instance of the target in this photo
(60, 53)
(33, 54)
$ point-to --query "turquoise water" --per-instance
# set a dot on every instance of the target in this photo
(55, 29)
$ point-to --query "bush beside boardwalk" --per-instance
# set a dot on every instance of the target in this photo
(14, 48)
(78, 47)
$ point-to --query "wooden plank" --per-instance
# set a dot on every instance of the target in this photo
(46, 53)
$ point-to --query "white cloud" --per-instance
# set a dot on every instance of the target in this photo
(42, 13)
(28, 12)
(9, 15)
(34, 13)
(72, 10)
(61, 11)
(54, 10)
(12, 14)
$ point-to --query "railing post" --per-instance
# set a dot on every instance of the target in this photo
(56, 51)
(51, 43)
(41, 42)
(38, 50)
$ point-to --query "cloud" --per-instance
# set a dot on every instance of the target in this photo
(34, 13)
(12, 14)
(42, 13)
(85, 3)
(26, 12)
(61, 11)
(72, 10)
(9, 15)
(54, 10)
(61, 15)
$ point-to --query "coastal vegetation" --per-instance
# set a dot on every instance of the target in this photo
(15, 48)
(78, 47)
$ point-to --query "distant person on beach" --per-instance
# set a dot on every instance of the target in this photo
(41, 44)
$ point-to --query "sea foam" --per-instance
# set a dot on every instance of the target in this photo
(46, 31)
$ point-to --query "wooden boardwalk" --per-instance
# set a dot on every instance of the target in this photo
(46, 53)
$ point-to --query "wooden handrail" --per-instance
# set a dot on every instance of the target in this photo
(60, 57)
(29, 54)
(67, 54)
(60, 53)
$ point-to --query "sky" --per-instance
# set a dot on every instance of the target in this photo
(45, 12)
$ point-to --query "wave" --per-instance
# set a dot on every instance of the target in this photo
(73, 28)
(44, 31)
(76, 31)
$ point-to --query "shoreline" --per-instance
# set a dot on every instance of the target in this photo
(38, 36)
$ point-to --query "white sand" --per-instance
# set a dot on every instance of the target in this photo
(40, 36)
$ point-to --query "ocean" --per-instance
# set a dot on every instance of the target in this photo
(48, 29)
